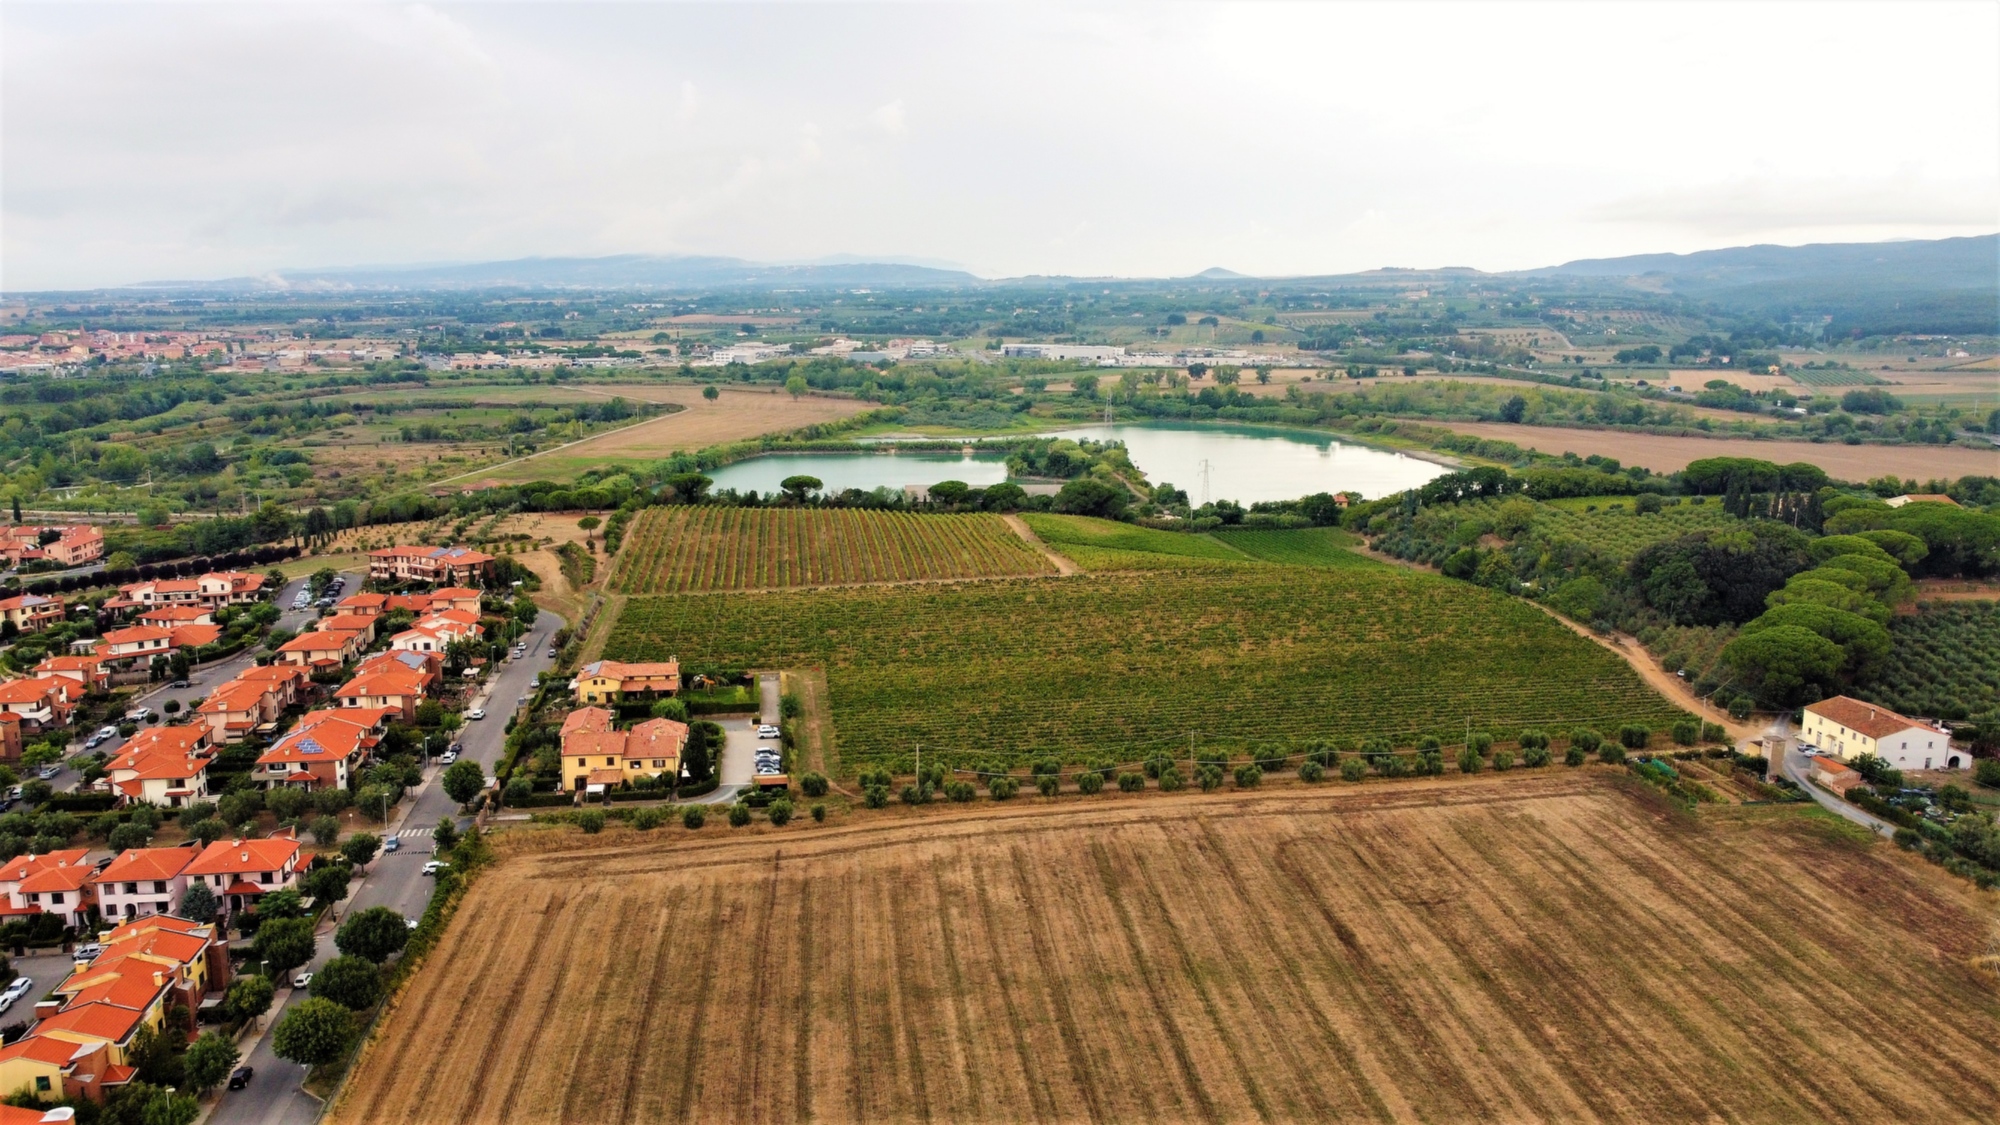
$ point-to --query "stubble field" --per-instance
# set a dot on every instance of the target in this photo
(1518, 949)
(1669, 454)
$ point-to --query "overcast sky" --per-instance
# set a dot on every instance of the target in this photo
(182, 141)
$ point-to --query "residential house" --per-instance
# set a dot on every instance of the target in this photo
(361, 623)
(137, 642)
(10, 739)
(41, 702)
(170, 617)
(230, 587)
(241, 871)
(31, 613)
(438, 632)
(165, 766)
(321, 648)
(324, 753)
(457, 565)
(608, 681)
(158, 592)
(56, 882)
(363, 605)
(1921, 498)
(42, 1067)
(596, 757)
(240, 708)
(78, 544)
(1830, 774)
(84, 669)
(389, 686)
(1849, 728)
(142, 881)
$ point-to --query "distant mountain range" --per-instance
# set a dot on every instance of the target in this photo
(619, 271)
(1946, 263)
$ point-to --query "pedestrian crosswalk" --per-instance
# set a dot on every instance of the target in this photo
(416, 832)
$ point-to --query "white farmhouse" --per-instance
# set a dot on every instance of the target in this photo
(1848, 728)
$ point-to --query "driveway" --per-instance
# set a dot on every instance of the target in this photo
(738, 767)
(1798, 767)
(393, 880)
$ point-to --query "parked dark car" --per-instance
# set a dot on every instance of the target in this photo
(241, 1076)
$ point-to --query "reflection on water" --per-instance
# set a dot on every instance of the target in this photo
(1244, 463)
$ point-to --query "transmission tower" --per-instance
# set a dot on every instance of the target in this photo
(1204, 480)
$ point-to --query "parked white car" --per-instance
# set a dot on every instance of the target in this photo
(435, 866)
(768, 731)
(302, 980)
(476, 713)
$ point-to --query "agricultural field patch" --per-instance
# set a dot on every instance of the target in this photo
(1944, 662)
(1108, 545)
(697, 549)
(1113, 667)
(1611, 524)
(1666, 453)
(1327, 547)
(1553, 948)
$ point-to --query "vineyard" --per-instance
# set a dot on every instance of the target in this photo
(1832, 377)
(1605, 523)
(1313, 546)
(1113, 667)
(695, 549)
(1945, 662)
(1104, 545)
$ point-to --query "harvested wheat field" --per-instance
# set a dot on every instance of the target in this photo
(1556, 947)
(1664, 453)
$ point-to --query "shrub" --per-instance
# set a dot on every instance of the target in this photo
(739, 815)
(591, 821)
(1713, 732)
(1049, 784)
(1585, 739)
(1209, 777)
(1311, 771)
(1533, 739)
(1353, 769)
(1428, 743)
(1574, 756)
(1249, 775)
(1479, 742)
(1503, 760)
(1535, 757)
(693, 817)
(1171, 781)
(1046, 767)
(1611, 754)
(647, 819)
(1469, 760)
(1090, 783)
(780, 813)
(1003, 788)
(960, 791)
(813, 785)
(875, 796)
(916, 794)
(819, 814)
(1131, 782)
(1634, 736)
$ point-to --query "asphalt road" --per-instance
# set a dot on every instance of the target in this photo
(274, 1096)
(200, 682)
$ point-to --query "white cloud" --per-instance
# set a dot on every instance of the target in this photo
(197, 141)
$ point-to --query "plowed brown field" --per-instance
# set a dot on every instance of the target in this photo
(1519, 949)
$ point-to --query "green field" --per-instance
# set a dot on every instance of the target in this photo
(676, 550)
(1104, 545)
(1310, 546)
(1110, 668)
(1606, 523)
(1945, 662)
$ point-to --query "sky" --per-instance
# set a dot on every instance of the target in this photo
(180, 141)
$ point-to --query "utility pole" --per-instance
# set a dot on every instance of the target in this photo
(1204, 480)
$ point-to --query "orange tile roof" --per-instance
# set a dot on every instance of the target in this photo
(1866, 718)
(166, 613)
(325, 742)
(133, 988)
(377, 600)
(230, 857)
(265, 673)
(108, 1022)
(135, 634)
(348, 622)
(385, 682)
(586, 719)
(28, 690)
(366, 718)
(135, 865)
(195, 636)
(57, 878)
(54, 1052)
(182, 740)
(152, 922)
(22, 866)
(236, 695)
(323, 640)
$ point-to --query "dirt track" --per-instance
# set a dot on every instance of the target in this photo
(1505, 949)
(1664, 454)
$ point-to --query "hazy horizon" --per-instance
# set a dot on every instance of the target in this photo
(169, 142)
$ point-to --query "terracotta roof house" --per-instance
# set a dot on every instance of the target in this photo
(168, 616)
(166, 766)
(86, 670)
(56, 882)
(31, 613)
(457, 565)
(161, 591)
(230, 587)
(43, 701)
(1849, 728)
(321, 648)
(393, 687)
(1921, 498)
(362, 605)
(78, 544)
(136, 642)
(361, 623)
(594, 760)
(142, 881)
(607, 681)
(240, 871)
(240, 708)
(323, 755)
(290, 682)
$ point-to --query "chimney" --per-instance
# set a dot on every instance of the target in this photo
(159, 978)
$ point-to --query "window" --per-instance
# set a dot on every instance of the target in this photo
(159, 887)
(131, 888)
(264, 877)
(41, 1083)
(55, 898)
